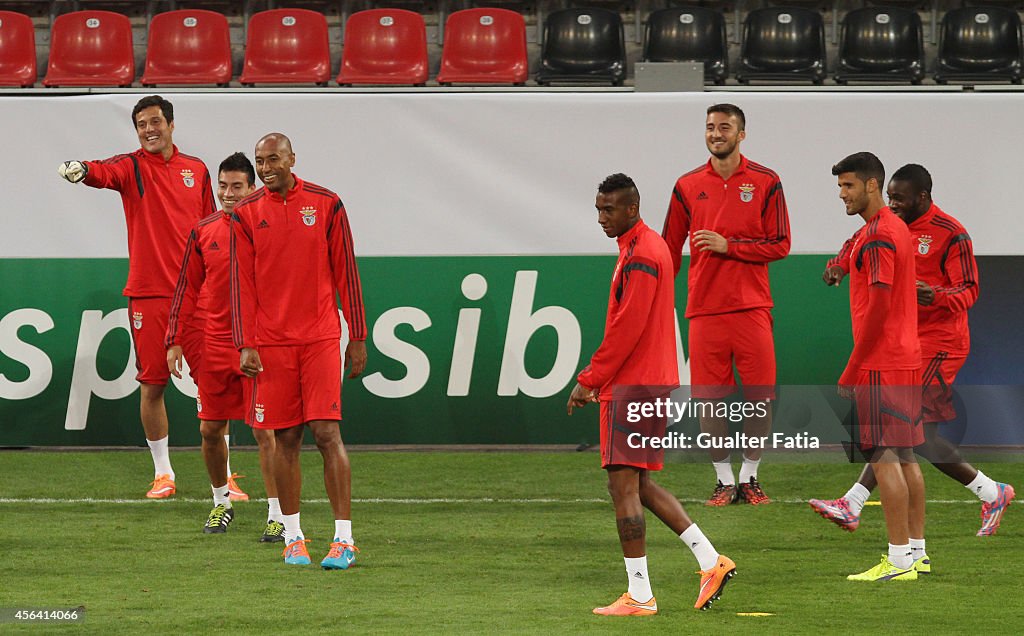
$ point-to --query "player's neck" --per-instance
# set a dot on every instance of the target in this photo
(726, 166)
(874, 207)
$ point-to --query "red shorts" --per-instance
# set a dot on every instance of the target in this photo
(298, 384)
(148, 320)
(938, 375)
(888, 406)
(224, 391)
(626, 443)
(743, 337)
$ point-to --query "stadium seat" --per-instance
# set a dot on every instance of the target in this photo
(688, 34)
(188, 47)
(782, 43)
(91, 48)
(484, 46)
(583, 45)
(881, 43)
(287, 46)
(979, 44)
(17, 50)
(384, 46)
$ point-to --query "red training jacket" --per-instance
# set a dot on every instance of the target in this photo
(945, 261)
(288, 256)
(205, 268)
(749, 210)
(162, 201)
(639, 346)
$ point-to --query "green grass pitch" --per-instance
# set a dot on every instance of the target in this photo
(479, 542)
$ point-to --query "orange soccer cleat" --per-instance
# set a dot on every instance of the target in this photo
(626, 606)
(713, 581)
(234, 492)
(163, 487)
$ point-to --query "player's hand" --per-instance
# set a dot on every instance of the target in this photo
(833, 276)
(925, 294)
(73, 171)
(845, 386)
(708, 241)
(249, 363)
(174, 361)
(579, 397)
(355, 357)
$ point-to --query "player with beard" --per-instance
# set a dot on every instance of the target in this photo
(734, 213)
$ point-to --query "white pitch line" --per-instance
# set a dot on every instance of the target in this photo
(384, 500)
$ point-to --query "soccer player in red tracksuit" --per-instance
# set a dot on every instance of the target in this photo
(224, 392)
(291, 252)
(164, 192)
(637, 356)
(883, 375)
(734, 213)
(947, 286)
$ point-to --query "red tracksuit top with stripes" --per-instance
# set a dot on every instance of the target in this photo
(881, 254)
(162, 201)
(289, 255)
(749, 210)
(205, 268)
(944, 256)
(639, 346)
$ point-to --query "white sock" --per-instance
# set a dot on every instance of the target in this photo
(748, 469)
(899, 555)
(857, 496)
(227, 445)
(343, 530)
(916, 549)
(161, 458)
(220, 495)
(292, 530)
(984, 487)
(702, 549)
(724, 471)
(274, 509)
(639, 583)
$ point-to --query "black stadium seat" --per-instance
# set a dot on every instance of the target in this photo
(979, 44)
(782, 43)
(881, 43)
(688, 34)
(583, 45)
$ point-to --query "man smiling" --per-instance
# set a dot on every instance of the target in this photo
(164, 193)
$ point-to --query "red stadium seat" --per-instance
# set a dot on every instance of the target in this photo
(17, 50)
(384, 46)
(188, 47)
(484, 46)
(91, 48)
(287, 46)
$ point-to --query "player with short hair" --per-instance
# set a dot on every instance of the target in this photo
(224, 392)
(163, 192)
(291, 252)
(637, 351)
(883, 374)
(947, 286)
(734, 213)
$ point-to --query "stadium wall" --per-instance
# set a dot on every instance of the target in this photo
(484, 271)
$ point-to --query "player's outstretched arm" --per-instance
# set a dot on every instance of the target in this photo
(73, 171)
